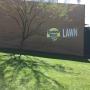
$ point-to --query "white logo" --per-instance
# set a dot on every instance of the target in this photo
(53, 34)
(69, 33)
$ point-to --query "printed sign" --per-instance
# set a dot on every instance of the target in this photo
(53, 34)
(56, 28)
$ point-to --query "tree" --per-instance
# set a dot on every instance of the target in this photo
(24, 13)
(78, 1)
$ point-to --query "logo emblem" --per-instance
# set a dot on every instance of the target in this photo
(53, 34)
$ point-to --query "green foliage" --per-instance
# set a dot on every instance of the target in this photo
(56, 10)
(36, 73)
(18, 73)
